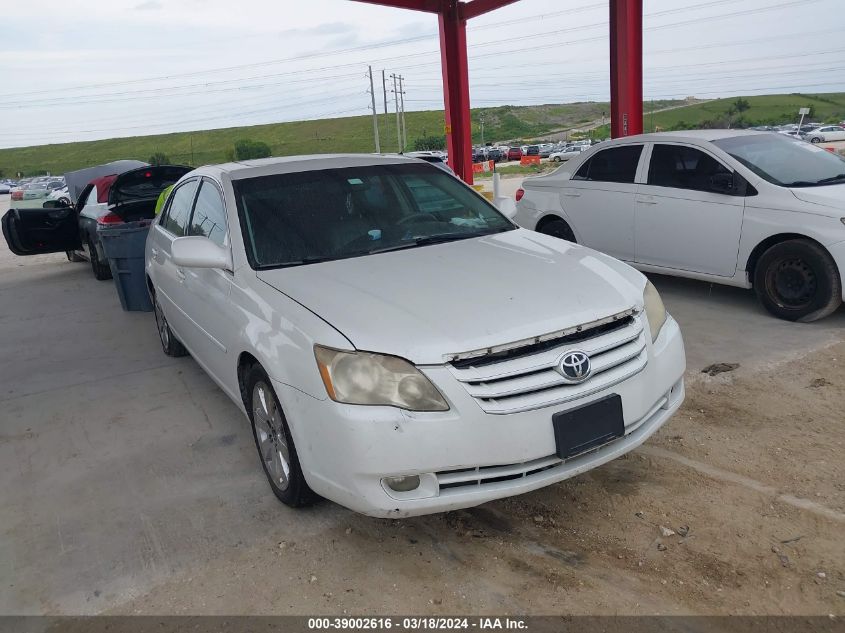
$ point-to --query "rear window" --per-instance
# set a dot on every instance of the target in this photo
(615, 164)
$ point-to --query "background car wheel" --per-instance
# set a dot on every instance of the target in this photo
(169, 344)
(274, 441)
(797, 280)
(556, 159)
(73, 256)
(101, 269)
(558, 229)
(815, 139)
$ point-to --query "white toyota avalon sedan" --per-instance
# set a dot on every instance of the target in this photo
(747, 209)
(399, 346)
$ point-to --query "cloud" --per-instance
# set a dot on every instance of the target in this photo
(149, 5)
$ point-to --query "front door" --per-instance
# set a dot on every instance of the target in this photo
(37, 231)
(689, 212)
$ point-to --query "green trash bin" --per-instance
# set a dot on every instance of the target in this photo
(124, 247)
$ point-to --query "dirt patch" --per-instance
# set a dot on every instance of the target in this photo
(643, 534)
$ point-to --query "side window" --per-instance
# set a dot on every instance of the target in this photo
(683, 168)
(179, 211)
(209, 219)
(615, 164)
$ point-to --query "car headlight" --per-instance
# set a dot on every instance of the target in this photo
(655, 311)
(376, 379)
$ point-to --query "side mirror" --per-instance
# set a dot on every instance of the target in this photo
(55, 204)
(722, 182)
(200, 252)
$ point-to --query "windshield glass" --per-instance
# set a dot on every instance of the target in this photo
(313, 216)
(785, 161)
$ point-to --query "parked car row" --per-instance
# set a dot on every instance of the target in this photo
(543, 150)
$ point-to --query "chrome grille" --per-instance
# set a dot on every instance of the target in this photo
(527, 378)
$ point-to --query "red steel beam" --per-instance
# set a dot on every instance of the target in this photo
(453, 58)
(626, 67)
(430, 6)
(480, 7)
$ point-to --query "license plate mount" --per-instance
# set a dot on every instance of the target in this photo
(589, 426)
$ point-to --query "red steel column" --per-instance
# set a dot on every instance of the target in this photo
(626, 67)
(453, 56)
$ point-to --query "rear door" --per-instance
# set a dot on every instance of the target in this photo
(168, 278)
(599, 200)
(37, 231)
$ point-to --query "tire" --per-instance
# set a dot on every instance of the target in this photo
(797, 280)
(73, 256)
(815, 139)
(556, 159)
(559, 229)
(169, 344)
(274, 441)
(101, 269)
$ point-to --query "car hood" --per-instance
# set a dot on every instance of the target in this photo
(426, 303)
(832, 196)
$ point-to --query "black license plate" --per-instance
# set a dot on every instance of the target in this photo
(594, 424)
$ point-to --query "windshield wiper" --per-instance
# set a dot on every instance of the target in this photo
(831, 179)
(816, 183)
(303, 261)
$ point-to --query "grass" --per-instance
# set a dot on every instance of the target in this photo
(523, 170)
(348, 134)
(354, 134)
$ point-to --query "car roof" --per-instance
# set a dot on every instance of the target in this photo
(293, 164)
(682, 135)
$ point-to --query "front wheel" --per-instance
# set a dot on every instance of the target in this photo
(797, 280)
(274, 442)
(815, 139)
(556, 159)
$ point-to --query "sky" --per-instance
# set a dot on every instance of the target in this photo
(89, 69)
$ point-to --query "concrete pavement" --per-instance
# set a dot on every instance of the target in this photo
(122, 468)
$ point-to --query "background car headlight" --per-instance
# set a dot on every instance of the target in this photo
(367, 378)
(655, 311)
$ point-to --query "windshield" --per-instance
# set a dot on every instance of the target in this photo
(785, 161)
(322, 215)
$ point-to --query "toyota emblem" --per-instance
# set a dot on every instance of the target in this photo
(574, 367)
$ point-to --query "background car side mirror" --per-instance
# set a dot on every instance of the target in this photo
(722, 183)
(200, 252)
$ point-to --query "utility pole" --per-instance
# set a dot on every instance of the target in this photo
(386, 117)
(375, 114)
(396, 106)
(481, 118)
(402, 106)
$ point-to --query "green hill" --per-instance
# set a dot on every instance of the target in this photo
(355, 134)
(762, 110)
(349, 134)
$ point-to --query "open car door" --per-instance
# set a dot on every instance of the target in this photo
(53, 229)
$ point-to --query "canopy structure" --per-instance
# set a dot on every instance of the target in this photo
(626, 68)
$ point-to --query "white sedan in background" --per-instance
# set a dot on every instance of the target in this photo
(825, 134)
(567, 153)
(748, 209)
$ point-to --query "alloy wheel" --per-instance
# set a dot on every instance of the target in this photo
(270, 433)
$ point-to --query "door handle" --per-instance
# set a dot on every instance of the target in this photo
(180, 274)
(646, 201)
(573, 194)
